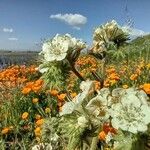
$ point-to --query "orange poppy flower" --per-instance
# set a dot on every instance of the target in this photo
(39, 122)
(37, 131)
(61, 97)
(5, 130)
(54, 92)
(102, 136)
(146, 88)
(26, 90)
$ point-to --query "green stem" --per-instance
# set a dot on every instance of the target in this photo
(94, 143)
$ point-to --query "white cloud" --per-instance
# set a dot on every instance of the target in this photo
(13, 39)
(8, 30)
(74, 20)
(135, 32)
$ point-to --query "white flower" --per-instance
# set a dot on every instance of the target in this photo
(45, 146)
(109, 137)
(58, 47)
(132, 112)
(42, 69)
(86, 85)
(82, 121)
(109, 32)
(69, 107)
(55, 137)
(99, 105)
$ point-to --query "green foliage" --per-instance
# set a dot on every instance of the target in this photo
(56, 74)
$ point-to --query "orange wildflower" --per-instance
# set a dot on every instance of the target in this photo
(146, 88)
(54, 92)
(114, 76)
(133, 77)
(106, 83)
(102, 136)
(74, 94)
(36, 88)
(25, 115)
(106, 129)
(97, 85)
(37, 131)
(39, 82)
(26, 90)
(61, 97)
(35, 100)
(39, 122)
(111, 70)
(5, 130)
(112, 82)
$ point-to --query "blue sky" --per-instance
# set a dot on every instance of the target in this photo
(24, 23)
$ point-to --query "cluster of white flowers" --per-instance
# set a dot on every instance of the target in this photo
(128, 108)
(132, 112)
(57, 48)
(105, 31)
(106, 34)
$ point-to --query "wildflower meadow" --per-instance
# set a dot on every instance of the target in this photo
(79, 97)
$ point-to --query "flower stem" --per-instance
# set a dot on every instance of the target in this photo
(76, 72)
(94, 143)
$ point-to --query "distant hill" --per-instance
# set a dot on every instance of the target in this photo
(141, 41)
(139, 47)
